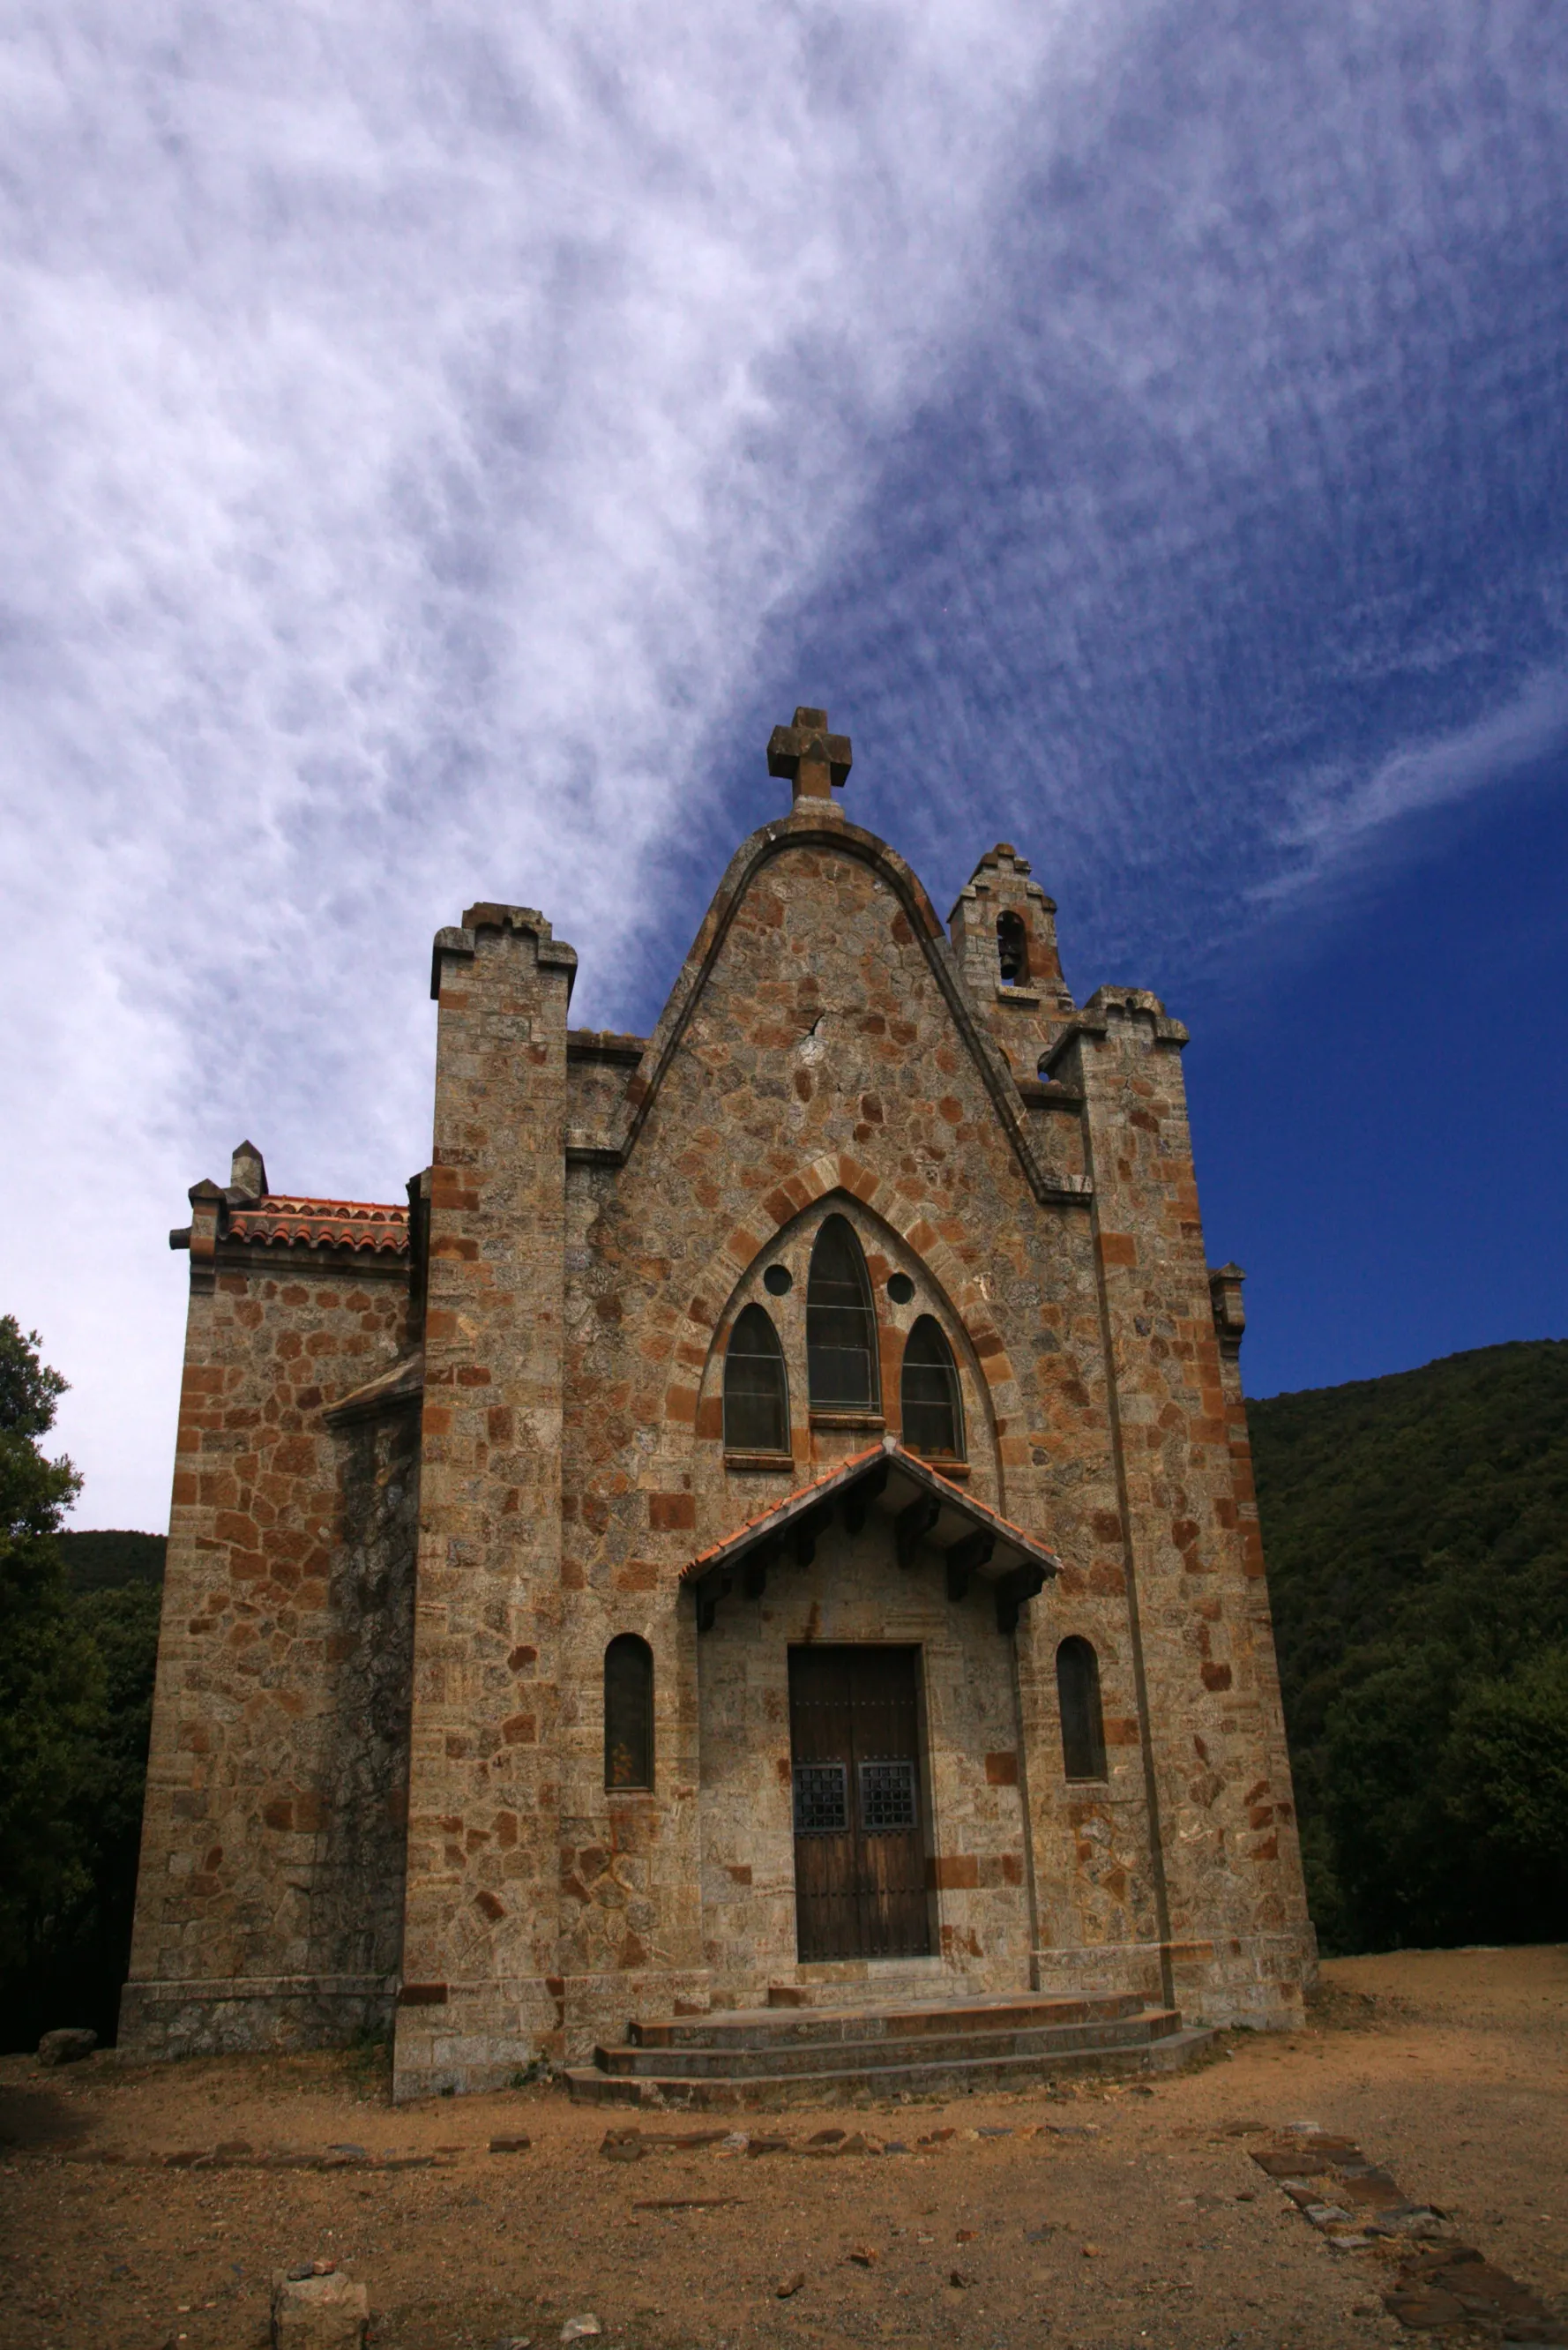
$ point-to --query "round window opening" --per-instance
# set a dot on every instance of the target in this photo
(778, 1280)
(900, 1288)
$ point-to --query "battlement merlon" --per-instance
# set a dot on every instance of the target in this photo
(209, 1200)
(526, 921)
(1107, 1003)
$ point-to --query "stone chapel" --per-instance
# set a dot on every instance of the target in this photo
(768, 1520)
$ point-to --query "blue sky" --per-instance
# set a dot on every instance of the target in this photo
(440, 442)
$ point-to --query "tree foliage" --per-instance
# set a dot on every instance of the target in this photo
(102, 1558)
(49, 1680)
(76, 1686)
(1417, 1533)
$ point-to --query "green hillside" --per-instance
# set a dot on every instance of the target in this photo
(1417, 1533)
(105, 1560)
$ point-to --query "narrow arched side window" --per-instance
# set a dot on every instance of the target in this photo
(1012, 949)
(756, 1387)
(628, 1712)
(840, 1322)
(1078, 1696)
(932, 1404)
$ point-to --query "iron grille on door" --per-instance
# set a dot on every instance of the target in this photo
(821, 1799)
(887, 1797)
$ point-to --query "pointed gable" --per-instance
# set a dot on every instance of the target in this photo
(876, 924)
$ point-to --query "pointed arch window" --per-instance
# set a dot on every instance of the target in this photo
(1078, 1697)
(932, 1403)
(756, 1390)
(840, 1324)
(1012, 949)
(628, 1712)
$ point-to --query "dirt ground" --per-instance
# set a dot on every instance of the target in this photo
(1109, 2216)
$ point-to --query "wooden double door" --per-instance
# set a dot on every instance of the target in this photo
(859, 1827)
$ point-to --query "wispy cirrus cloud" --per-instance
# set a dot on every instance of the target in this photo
(1338, 815)
(1254, 475)
(414, 418)
(440, 439)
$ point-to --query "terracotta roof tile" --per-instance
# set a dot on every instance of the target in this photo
(282, 1220)
(916, 1472)
(834, 1476)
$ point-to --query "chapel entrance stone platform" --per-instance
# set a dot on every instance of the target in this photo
(870, 1983)
(775, 2055)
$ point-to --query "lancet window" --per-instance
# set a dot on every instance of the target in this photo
(840, 1324)
(628, 1712)
(1078, 1697)
(756, 1388)
(932, 1403)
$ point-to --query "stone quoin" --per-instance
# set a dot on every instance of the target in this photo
(772, 1508)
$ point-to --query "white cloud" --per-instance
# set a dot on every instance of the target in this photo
(1253, 472)
(413, 417)
(1334, 815)
(422, 426)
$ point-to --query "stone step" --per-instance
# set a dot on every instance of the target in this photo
(829, 1982)
(866, 2055)
(760, 2027)
(954, 2076)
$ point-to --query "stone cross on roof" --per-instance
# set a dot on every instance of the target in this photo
(812, 758)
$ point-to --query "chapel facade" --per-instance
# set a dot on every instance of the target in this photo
(772, 1507)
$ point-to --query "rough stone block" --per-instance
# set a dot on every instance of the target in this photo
(68, 2046)
(318, 2313)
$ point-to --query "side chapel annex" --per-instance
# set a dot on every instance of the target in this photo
(772, 1509)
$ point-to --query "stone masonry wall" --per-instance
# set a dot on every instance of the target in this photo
(1290, 1951)
(971, 1804)
(815, 1057)
(1025, 1014)
(478, 1999)
(1234, 1911)
(270, 1895)
(600, 1210)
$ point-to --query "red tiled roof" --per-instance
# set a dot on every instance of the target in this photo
(836, 1476)
(912, 1471)
(280, 1219)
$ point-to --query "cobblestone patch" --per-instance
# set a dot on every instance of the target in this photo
(1443, 2286)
